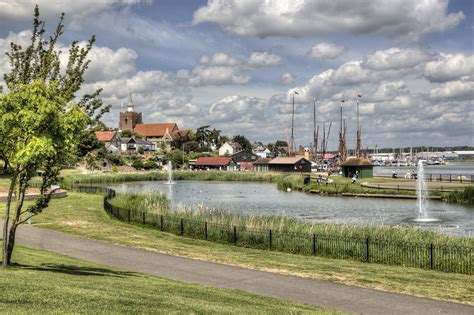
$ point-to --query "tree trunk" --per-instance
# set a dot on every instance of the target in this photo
(20, 197)
(11, 243)
(5, 225)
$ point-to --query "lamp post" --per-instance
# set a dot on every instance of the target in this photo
(292, 139)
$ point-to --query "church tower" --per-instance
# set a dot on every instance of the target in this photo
(130, 118)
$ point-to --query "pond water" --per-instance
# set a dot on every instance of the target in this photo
(454, 169)
(249, 198)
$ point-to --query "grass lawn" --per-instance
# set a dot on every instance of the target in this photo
(43, 282)
(83, 215)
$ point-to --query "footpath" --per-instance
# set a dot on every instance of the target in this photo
(319, 293)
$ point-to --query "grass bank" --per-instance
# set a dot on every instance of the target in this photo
(83, 215)
(43, 282)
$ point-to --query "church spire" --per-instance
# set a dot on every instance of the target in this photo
(130, 102)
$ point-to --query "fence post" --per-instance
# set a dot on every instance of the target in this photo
(431, 256)
(450, 178)
(182, 227)
(367, 249)
(129, 215)
(144, 217)
(235, 234)
(270, 239)
(431, 177)
(314, 244)
(440, 178)
(161, 222)
(205, 230)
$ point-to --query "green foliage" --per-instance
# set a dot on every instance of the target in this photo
(176, 157)
(127, 133)
(138, 164)
(244, 142)
(88, 143)
(465, 196)
(150, 164)
(115, 159)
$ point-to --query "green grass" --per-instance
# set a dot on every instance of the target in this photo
(465, 196)
(43, 282)
(83, 215)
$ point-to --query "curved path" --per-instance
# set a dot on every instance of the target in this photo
(318, 293)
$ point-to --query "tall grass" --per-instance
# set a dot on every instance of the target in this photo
(465, 197)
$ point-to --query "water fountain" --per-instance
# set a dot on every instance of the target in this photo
(422, 195)
(170, 173)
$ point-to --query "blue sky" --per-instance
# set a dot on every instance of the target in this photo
(234, 64)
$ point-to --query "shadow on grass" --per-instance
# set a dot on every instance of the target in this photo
(76, 270)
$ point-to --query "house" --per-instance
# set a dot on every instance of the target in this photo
(229, 148)
(221, 163)
(161, 135)
(289, 164)
(134, 145)
(361, 166)
(264, 154)
(261, 165)
(107, 137)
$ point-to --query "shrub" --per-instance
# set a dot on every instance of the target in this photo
(137, 164)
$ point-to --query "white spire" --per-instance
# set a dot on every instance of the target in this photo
(130, 102)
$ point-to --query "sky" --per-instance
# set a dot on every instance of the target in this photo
(236, 64)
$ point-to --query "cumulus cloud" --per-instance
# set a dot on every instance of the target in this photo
(220, 59)
(263, 59)
(326, 51)
(109, 64)
(76, 10)
(396, 59)
(402, 19)
(461, 90)
(216, 75)
(449, 67)
(287, 78)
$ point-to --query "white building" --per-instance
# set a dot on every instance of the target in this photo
(229, 148)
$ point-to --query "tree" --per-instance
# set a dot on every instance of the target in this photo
(176, 157)
(41, 123)
(244, 142)
(202, 136)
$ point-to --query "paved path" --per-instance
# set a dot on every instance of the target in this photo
(318, 293)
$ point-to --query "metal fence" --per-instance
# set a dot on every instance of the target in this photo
(446, 258)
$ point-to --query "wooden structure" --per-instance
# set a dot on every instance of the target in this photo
(289, 164)
(360, 166)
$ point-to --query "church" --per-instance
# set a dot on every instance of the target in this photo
(161, 134)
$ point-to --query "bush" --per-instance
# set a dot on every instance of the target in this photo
(138, 164)
(465, 196)
(149, 164)
(115, 159)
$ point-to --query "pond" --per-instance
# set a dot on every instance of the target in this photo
(249, 198)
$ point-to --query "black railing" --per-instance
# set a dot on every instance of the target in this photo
(446, 258)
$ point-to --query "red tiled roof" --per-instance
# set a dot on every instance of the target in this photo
(263, 161)
(155, 130)
(178, 134)
(105, 136)
(214, 161)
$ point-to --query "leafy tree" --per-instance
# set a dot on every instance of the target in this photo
(150, 164)
(88, 143)
(202, 136)
(244, 142)
(42, 120)
(280, 143)
(137, 164)
(176, 157)
(127, 133)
